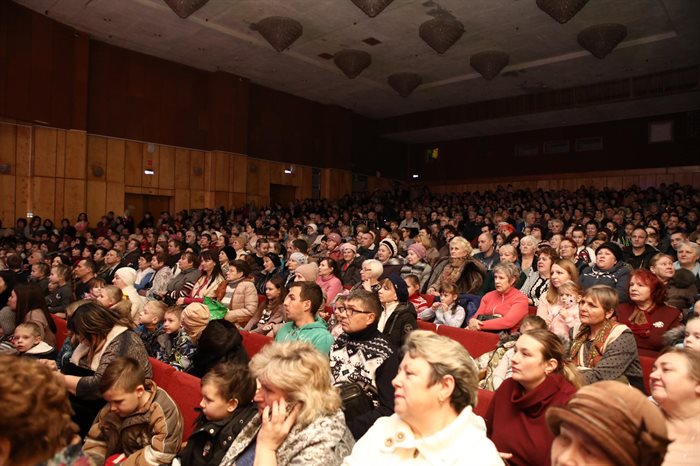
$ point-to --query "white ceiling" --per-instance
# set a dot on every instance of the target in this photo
(662, 35)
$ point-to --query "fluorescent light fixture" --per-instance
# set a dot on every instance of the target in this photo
(149, 172)
(287, 171)
(415, 176)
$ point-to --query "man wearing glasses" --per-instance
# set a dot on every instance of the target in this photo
(361, 354)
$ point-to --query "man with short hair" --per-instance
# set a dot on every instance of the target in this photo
(409, 221)
(362, 355)
(174, 253)
(591, 231)
(487, 252)
(113, 261)
(639, 253)
(301, 306)
(674, 242)
(181, 285)
(83, 272)
(367, 247)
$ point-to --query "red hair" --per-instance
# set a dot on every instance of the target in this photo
(658, 289)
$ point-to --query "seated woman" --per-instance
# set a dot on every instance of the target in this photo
(506, 253)
(608, 270)
(226, 255)
(689, 259)
(220, 341)
(542, 377)
(567, 250)
(503, 308)
(270, 268)
(563, 316)
(675, 387)
(28, 304)
(387, 254)
(295, 260)
(433, 420)
(124, 279)
(328, 279)
(537, 281)
(398, 317)
(562, 271)
(270, 314)
(210, 283)
(608, 424)
(349, 265)
(604, 349)
(240, 296)
(458, 269)
(145, 273)
(371, 270)
(104, 335)
(528, 252)
(647, 315)
(680, 284)
(299, 419)
(416, 264)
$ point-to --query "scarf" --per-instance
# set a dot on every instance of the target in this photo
(595, 354)
(452, 271)
(639, 321)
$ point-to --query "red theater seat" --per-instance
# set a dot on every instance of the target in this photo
(482, 405)
(423, 325)
(253, 342)
(532, 310)
(647, 363)
(61, 330)
(183, 388)
(477, 343)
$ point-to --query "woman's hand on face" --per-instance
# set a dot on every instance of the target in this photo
(276, 424)
(474, 324)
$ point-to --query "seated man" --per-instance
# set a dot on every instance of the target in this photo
(361, 354)
(140, 421)
(300, 306)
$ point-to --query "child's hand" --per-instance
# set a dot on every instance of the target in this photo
(564, 313)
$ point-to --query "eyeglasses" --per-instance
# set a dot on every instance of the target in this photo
(348, 311)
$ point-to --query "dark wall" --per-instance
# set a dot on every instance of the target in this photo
(43, 69)
(625, 145)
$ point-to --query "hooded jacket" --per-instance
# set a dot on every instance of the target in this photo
(617, 278)
(315, 333)
(400, 323)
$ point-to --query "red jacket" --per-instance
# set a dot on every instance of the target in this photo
(512, 305)
(649, 337)
(515, 420)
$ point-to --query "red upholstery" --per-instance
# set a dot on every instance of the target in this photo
(261, 298)
(482, 406)
(429, 298)
(477, 343)
(647, 363)
(532, 310)
(253, 342)
(423, 325)
(61, 330)
(184, 390)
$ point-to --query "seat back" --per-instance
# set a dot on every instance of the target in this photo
(647, 363)
(61, 330)
(483, 402)
(253, 342)
(429, 298)
(183, 388)
(477, 343)
(423, 325)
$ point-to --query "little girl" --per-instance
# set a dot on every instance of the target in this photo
(448, 311)
(563, 316)
(62, 296)
(425, 312)
(227, 407)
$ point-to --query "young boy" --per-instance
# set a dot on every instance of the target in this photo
(175, 347)
(40, 276)
(140, 421)
(151, 325)
(27, 340)
(62, 295)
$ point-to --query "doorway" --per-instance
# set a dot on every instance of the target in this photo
(138, 204)
(283, 195)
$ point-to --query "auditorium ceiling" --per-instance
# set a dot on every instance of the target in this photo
(544, 55)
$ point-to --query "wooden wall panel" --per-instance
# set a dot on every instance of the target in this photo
(96, 158)
(23, 152)
(166, 167)
(197, 200)
(43, 195)
(116, 160)
(22, 196)
(197, 170)
(8, 146)
(74, 199)
(8, 212)
(132, 163)
(76, 153)
(150, 158)
(60, 154)
(182, 168)
(114, 198)
(305, 191)
(335, 183)
(45, 147)
(221, 166)
(239, 177)
(96, 197)
(182, 199)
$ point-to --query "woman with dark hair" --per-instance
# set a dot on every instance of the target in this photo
(104, 336)
(220, 341)
(537, 283)
(29, 305)
(240, 296)
(270, 314)
(271, 268)
(328, 279)
(542, 377)
(7, 316)
(211, 282)
(646, 314)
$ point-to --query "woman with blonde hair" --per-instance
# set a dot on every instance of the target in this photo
(602, 348)
(299, 418)
(458, 269)
(542, 377)
(675, 386)
(528, 248)
(370, 272)
(433, 421)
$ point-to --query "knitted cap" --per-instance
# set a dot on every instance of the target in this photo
(298, 257)
(612, 247)
(309, 272)
(619, 419)
(418, 250)
(345, 246)
(390, 245)
(313, 227)
(335, 237)
(127, 275)
(230, 252)
(400, 287)
(195, 318)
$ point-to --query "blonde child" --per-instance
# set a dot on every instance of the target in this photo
(227, 407)
(692, 334)
(27, 341)
(150, 325)
(562, 316)
(448, 311)
(112, 297)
